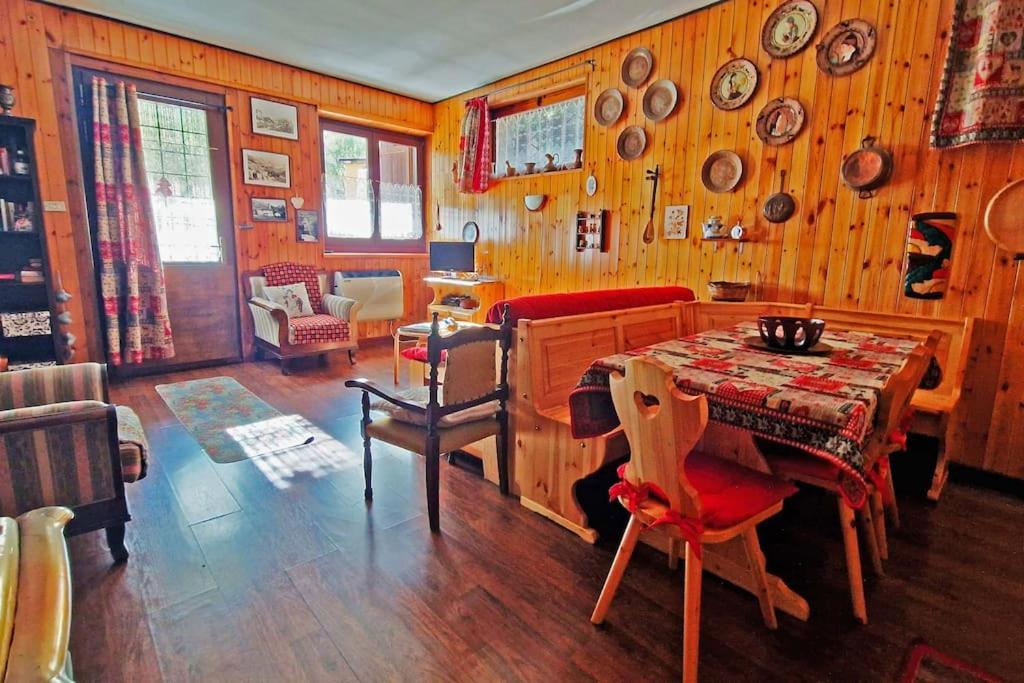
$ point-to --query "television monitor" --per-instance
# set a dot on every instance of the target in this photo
(455, 257)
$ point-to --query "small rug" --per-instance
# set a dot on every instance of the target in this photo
(924, 664)
(230, 422)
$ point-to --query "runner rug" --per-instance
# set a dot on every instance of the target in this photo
(230, 422)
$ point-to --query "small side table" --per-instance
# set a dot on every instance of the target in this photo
(410, 336)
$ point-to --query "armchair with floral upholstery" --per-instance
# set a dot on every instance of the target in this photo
(62, 443)
(296, 326)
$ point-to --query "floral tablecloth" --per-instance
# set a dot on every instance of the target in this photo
(824, 405)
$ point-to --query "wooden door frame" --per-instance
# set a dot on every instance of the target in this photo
(223, 175)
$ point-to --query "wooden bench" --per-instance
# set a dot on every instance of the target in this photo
(550, 357)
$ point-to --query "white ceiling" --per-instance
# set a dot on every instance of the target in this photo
(428, 49)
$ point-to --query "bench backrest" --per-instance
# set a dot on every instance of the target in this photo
(700, 316)
(555, 352)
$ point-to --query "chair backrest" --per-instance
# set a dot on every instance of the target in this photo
(662, 425)
(53, 384)
(896, 401)
(476, 368)
(255, 282)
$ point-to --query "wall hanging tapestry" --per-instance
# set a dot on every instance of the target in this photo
(981, 98)
(473, 171)
(131, 273)
(929, 253)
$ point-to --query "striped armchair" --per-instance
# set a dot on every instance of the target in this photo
(62, 443)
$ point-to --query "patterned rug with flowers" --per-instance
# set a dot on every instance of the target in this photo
(230, 422)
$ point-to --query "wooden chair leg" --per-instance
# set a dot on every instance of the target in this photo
(848, 528)
(501, 448)
(691, 615)
(115, 541)
(673, 553)
(285, 367)
(611, 584)
(433, 456)
(866, 521)
(755, 560)
(367, 456)
(878, 514)
(352, 358)
(891, 508)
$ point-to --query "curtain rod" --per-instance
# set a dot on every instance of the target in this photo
(591, 62)
(189, 103)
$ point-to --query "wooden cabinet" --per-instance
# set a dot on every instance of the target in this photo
(484, 292)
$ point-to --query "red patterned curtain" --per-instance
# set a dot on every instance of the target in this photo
(131, 273)
(981, 98)
(474, 167)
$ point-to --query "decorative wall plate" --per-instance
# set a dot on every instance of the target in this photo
(470, 232)
(637, 66)
(608, 107)
(660, 100)
(632, 143)
(780, 121)
(591, 185)
(847, 47)
(722, 171)
(734, 84)
(789, 28)
(1004, 224)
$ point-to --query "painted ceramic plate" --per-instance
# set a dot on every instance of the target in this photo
(660, 100)
(637, 66)
(789, 28)
(780, 121)
(591, 186)
(722, 171)
(734, 84)
(847, 47)
(632, 143)
(608, 107)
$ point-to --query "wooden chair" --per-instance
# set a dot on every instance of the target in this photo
(471, 405)
(703, 498)
(893, 407)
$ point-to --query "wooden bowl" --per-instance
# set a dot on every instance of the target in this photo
(791, 334)
(720, 290)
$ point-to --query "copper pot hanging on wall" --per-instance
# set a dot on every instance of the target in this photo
(867, 168)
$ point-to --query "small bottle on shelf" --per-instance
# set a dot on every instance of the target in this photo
(20, 162)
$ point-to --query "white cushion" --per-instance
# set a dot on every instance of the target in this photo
(292, 298)
(421, 395)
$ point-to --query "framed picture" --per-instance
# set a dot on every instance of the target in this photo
(677, 222)
(274, 119)
(307, 226)
(266, 168)
(269, 210)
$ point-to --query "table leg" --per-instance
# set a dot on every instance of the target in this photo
(397, 356)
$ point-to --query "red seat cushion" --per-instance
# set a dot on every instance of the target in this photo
(540, 306)
(731, 493)
(419, 354)
(317, 329)
(278, 274)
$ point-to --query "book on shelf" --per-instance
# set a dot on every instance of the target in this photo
(8, 277)
(31, 277)
(16, 216)
(5, 161)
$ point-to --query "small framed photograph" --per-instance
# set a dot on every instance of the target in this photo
(274, 118)
(266, 168)
(269, 210)
(677, 222)
(307, 226)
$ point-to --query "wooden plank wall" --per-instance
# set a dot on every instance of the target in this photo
(837, 250)
(35, 41)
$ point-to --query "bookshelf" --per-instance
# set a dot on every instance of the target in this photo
(31, 308)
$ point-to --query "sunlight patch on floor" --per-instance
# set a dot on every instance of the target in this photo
(282, 449)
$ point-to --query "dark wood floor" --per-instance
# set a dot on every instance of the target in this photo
(256, 572)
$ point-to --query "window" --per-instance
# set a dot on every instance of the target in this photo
(373, 189)
(176, 147)
(525, 136)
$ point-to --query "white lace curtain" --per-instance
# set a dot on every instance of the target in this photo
(529, 135)
(401, 209)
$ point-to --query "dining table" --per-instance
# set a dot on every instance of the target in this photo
(821, 404)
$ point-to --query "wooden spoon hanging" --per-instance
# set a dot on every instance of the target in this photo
(648, 235)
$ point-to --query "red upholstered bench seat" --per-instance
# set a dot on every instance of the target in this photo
(541, 306)
(419, 354)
